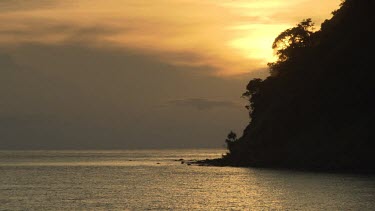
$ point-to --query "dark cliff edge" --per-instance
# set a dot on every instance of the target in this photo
(316, 109)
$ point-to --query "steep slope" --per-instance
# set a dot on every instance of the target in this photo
(316, 110)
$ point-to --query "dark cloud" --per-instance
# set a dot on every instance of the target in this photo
(32, 30)
(40, 27)
(21, 5)
(203, 104)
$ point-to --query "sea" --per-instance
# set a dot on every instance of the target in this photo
(159, 180)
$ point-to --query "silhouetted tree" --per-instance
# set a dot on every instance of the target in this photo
(231, 139)
(290, 43)
(316, 110)
(252, 90)
(290, 40)
(252, 87)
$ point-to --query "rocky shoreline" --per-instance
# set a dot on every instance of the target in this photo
(219, 162)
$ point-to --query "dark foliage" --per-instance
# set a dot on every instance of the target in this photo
(231, 139)
(316, 109)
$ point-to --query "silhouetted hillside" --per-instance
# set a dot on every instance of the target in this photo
(316, 110)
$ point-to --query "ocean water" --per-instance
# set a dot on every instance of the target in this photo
(153, 180)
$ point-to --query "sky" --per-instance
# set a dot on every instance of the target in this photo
(129, 74)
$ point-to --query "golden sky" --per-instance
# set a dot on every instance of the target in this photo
(111, 74)
(232, 36)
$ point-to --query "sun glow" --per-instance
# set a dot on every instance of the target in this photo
(231, 37)
(256, 40)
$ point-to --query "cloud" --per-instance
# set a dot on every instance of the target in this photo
(92, 74)
(203, 104)
(22, 5)
(235, 43)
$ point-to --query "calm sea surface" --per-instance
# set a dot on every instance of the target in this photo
(153, 180)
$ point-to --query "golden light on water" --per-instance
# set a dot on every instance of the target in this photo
(231, 37)
(152, 180)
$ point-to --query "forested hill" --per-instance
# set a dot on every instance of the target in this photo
(316, 109)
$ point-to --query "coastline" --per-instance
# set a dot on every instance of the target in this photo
(219, 162)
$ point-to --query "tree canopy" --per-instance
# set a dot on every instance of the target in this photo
(316, 108)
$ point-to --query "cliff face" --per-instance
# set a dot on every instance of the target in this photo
(316, 110)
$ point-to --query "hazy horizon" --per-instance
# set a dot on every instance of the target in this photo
(135, 74)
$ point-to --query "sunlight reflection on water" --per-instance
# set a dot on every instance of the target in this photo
(118, 180)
